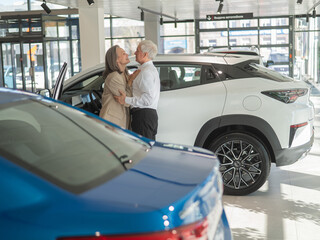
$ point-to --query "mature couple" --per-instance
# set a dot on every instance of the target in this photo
(137, 93)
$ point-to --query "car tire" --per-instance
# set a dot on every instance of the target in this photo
(244, 162)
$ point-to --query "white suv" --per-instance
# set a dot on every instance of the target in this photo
(248, 115)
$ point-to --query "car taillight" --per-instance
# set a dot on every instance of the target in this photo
(194, 231)
(293, 130)
(286, 96)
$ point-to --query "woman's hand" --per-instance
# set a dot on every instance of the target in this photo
(133, 76)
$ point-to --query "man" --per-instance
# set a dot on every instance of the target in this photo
(145, 93)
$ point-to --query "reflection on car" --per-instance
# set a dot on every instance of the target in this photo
(248, 115)
(72, 175)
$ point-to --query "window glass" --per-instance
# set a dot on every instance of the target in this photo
(84, 84)
(274, 22)
(123, 27)
(210, 75)
(178, 76)
(53, 64)
(65, 146)
(63, 29)
(9, 27)
(31, 25)
(75, 56)
(213, 24)
(301, 24)
(107, 29)
(168, 29)
(243, 37)
(275, 54)
(74, 32)
(243, 23)
(64, 47)
(181, 44)
(107, 44)
(214, 39)
(274, 36)
(301, 61)
(7, 66)
(129, 45)
(50, 28)
(33, 72)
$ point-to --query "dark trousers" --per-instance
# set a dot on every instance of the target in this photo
(144, 121)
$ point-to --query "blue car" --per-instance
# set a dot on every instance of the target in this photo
(67, 174)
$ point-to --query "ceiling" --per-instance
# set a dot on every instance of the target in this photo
(195, 9)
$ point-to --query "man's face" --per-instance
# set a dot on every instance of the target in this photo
(139, 54)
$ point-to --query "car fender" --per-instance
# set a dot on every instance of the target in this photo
(238, 120)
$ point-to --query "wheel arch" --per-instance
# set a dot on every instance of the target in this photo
(251, 125)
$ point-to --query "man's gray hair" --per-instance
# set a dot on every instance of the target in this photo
(149, 47)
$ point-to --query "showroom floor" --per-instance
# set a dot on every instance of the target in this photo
(287, 206)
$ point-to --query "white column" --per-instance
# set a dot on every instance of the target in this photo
(152, 29)
(92, 36)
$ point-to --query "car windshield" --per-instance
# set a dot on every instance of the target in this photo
(257, 70)
(67, 147)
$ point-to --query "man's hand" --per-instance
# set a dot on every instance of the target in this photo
(121, 99)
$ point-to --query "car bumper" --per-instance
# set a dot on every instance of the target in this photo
(291, 155)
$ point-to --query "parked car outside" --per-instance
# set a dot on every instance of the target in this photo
(248, 115)
(72, 175)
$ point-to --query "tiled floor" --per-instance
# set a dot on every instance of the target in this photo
(287, 206)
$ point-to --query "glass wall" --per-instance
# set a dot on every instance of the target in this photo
(126, 33)
(270, 36)
(62, 42)
(177, 37)
(34, 47)
(307, 49)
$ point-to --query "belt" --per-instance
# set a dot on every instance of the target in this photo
(133, 110)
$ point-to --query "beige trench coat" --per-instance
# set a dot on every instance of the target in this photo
(112, 110)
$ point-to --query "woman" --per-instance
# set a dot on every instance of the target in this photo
(116, 78)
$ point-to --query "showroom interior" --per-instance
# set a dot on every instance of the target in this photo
(37, 37)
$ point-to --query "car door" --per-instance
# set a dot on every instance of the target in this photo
(83, 91)
(191, 94)
(58, 87)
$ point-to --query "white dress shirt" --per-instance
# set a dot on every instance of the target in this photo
(145, 88)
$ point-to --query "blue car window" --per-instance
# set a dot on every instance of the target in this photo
(66, 147)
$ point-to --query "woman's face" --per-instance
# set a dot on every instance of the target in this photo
(123, 58)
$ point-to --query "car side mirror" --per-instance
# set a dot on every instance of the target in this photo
(44, 92)
(269, 63)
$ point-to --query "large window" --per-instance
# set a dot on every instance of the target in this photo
(177, 37)
(271, 36)
(33, 48)
(62, 45)
(307, 49)
(124, 32)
